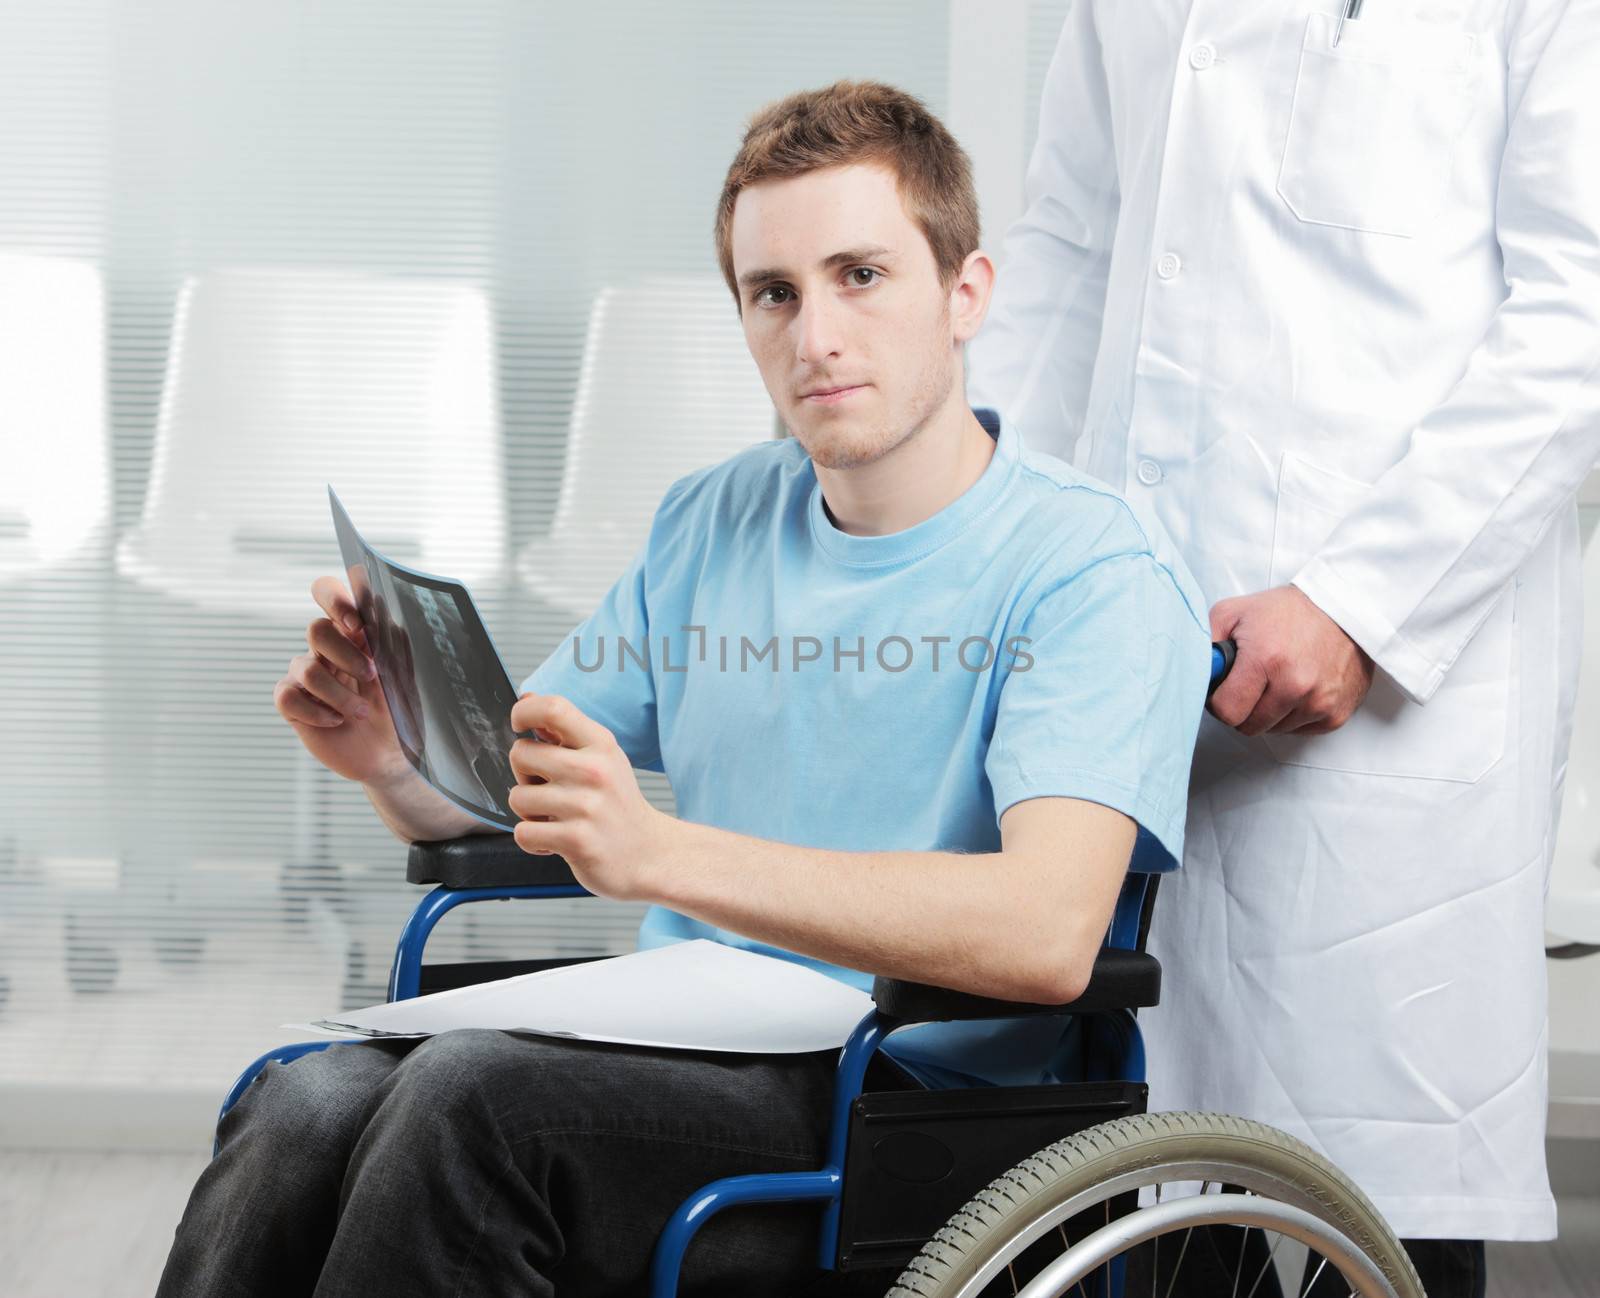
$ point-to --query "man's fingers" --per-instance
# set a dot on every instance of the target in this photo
(1237, 696)
(558, 717)
(311, 674)
(336, 647)
(546, 801)
(1314, 723)
(1273, 706)
(548, 761)
(334, 599)
(1225, 617)
(540, 837)
(1296, 718)
(299, 708)
(349, 680)
(1309, 719)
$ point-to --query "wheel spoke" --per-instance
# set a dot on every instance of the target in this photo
(1155, 1253)
(1315, 1276)
(1265, 1267)
(1067, 1243)
(1178, 1265)
(1183, 1248)
(1238, 1269)
(1105, 1291)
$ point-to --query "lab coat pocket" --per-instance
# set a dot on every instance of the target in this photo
(1373, 122)
(1460, 733)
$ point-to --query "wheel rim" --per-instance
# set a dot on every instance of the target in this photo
(1083, 1259)
(1263, 1186)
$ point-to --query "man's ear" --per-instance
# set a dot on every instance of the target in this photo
(970, 294)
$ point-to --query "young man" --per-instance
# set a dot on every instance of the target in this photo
(919, 692)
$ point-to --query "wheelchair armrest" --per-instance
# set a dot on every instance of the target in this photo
(483, 861)
(1122, 980)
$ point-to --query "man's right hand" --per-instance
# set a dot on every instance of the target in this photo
(332, 698)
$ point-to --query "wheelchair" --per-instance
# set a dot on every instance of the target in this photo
(1034, 1191)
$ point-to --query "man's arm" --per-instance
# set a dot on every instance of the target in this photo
(415, 812)
(1020, 924)
(1491, 466)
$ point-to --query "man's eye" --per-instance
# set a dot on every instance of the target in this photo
(764, 297)
(864, 270)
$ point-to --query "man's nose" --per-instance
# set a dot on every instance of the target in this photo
(817, 330)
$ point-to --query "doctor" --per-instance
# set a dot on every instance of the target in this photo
(1329, 302)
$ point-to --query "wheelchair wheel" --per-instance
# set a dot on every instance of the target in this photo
(1064, 1221)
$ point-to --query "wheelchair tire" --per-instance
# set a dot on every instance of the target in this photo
(1094, 1166)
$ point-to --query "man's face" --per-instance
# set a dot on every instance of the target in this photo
(843, 310)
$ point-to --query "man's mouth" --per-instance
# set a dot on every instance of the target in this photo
(827, 396)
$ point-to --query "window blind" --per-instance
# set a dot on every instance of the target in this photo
(433, 253)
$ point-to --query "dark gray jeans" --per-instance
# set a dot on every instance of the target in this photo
(484, 1163)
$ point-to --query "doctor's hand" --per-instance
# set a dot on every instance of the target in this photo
(577, 795)
(1296, 672)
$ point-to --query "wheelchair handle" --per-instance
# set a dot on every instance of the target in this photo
(1222, 655)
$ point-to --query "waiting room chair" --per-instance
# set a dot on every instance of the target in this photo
(667, 386)
(283, 380)
(55, 503)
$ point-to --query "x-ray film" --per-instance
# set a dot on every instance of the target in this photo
(447, 689)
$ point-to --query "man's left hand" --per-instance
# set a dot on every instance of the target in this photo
(577, 796)
(1297, 671)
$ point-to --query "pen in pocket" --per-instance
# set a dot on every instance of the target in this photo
(1352, 9)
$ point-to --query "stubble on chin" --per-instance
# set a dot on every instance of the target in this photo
(850, 450)
(873, 445)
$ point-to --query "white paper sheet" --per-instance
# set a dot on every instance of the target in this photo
(697, 995)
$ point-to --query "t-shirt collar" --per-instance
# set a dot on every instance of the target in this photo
(935, 531)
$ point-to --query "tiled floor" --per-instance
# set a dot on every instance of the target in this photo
(92, 1225)
(1568, 1268)
(87, 1225)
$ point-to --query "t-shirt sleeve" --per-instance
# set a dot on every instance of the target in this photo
(593, 668)
(1103, 701)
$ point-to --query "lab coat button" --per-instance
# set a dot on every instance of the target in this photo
(1168, 265)
(1149, 472)
(1202, 57)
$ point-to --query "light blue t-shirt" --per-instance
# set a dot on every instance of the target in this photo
(1037, 637)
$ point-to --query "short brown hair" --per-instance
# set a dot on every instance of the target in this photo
(853, 122)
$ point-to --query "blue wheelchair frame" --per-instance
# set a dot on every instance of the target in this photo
(1115, 1053)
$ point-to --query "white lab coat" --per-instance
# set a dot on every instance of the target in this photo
(1334, 314)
